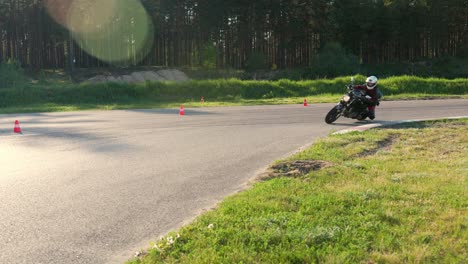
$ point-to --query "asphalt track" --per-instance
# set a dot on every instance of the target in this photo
(96, 186)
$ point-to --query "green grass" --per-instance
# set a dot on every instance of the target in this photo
(394, 195)
(57, 96)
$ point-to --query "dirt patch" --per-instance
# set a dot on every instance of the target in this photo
(142, 76)
(384, 145)
(295, 168)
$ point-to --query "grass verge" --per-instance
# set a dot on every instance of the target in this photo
(66, 96)
(389, 195)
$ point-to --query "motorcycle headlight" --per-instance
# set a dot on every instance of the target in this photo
(346, 98)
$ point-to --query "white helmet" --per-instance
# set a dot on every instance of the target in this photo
(371, 82)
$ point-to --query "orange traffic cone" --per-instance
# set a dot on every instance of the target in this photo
(181, 110)
(305, 102)
(17, 128)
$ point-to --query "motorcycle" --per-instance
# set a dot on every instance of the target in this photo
(354, 104)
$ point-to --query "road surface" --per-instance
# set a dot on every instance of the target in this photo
(96, 186)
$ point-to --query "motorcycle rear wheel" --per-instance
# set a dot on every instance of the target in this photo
(332, 115)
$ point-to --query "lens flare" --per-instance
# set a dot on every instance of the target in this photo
(115, 31)
(58, 10)
(91, 15)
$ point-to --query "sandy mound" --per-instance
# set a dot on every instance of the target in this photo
(139, 77)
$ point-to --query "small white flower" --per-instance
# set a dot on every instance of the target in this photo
(210, 226)
(138, 253)
(170, 240)
(178, 235)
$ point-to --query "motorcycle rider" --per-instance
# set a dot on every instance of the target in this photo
(373, 92)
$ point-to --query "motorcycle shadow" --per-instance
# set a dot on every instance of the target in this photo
(364, 122)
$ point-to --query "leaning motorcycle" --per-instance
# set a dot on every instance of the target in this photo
(354, 104)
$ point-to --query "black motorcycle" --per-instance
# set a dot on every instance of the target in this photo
(354, 104)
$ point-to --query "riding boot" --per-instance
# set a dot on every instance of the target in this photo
(372, 114)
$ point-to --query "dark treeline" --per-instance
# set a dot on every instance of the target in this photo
(227, 33)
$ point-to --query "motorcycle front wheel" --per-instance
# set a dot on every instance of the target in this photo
(332, 116)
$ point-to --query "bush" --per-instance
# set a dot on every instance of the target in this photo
(414, 85)
(256, 61)
(449, 67)
(208, 57)
(443, 67)
(11, 74)
(332, 61)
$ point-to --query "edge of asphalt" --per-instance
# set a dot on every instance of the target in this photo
(259, 173)
(392, 123)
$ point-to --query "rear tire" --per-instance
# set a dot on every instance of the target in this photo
(332, 116)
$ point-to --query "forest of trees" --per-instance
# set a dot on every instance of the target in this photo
(227, 33)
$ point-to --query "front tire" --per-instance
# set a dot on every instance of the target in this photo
(332, 116)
